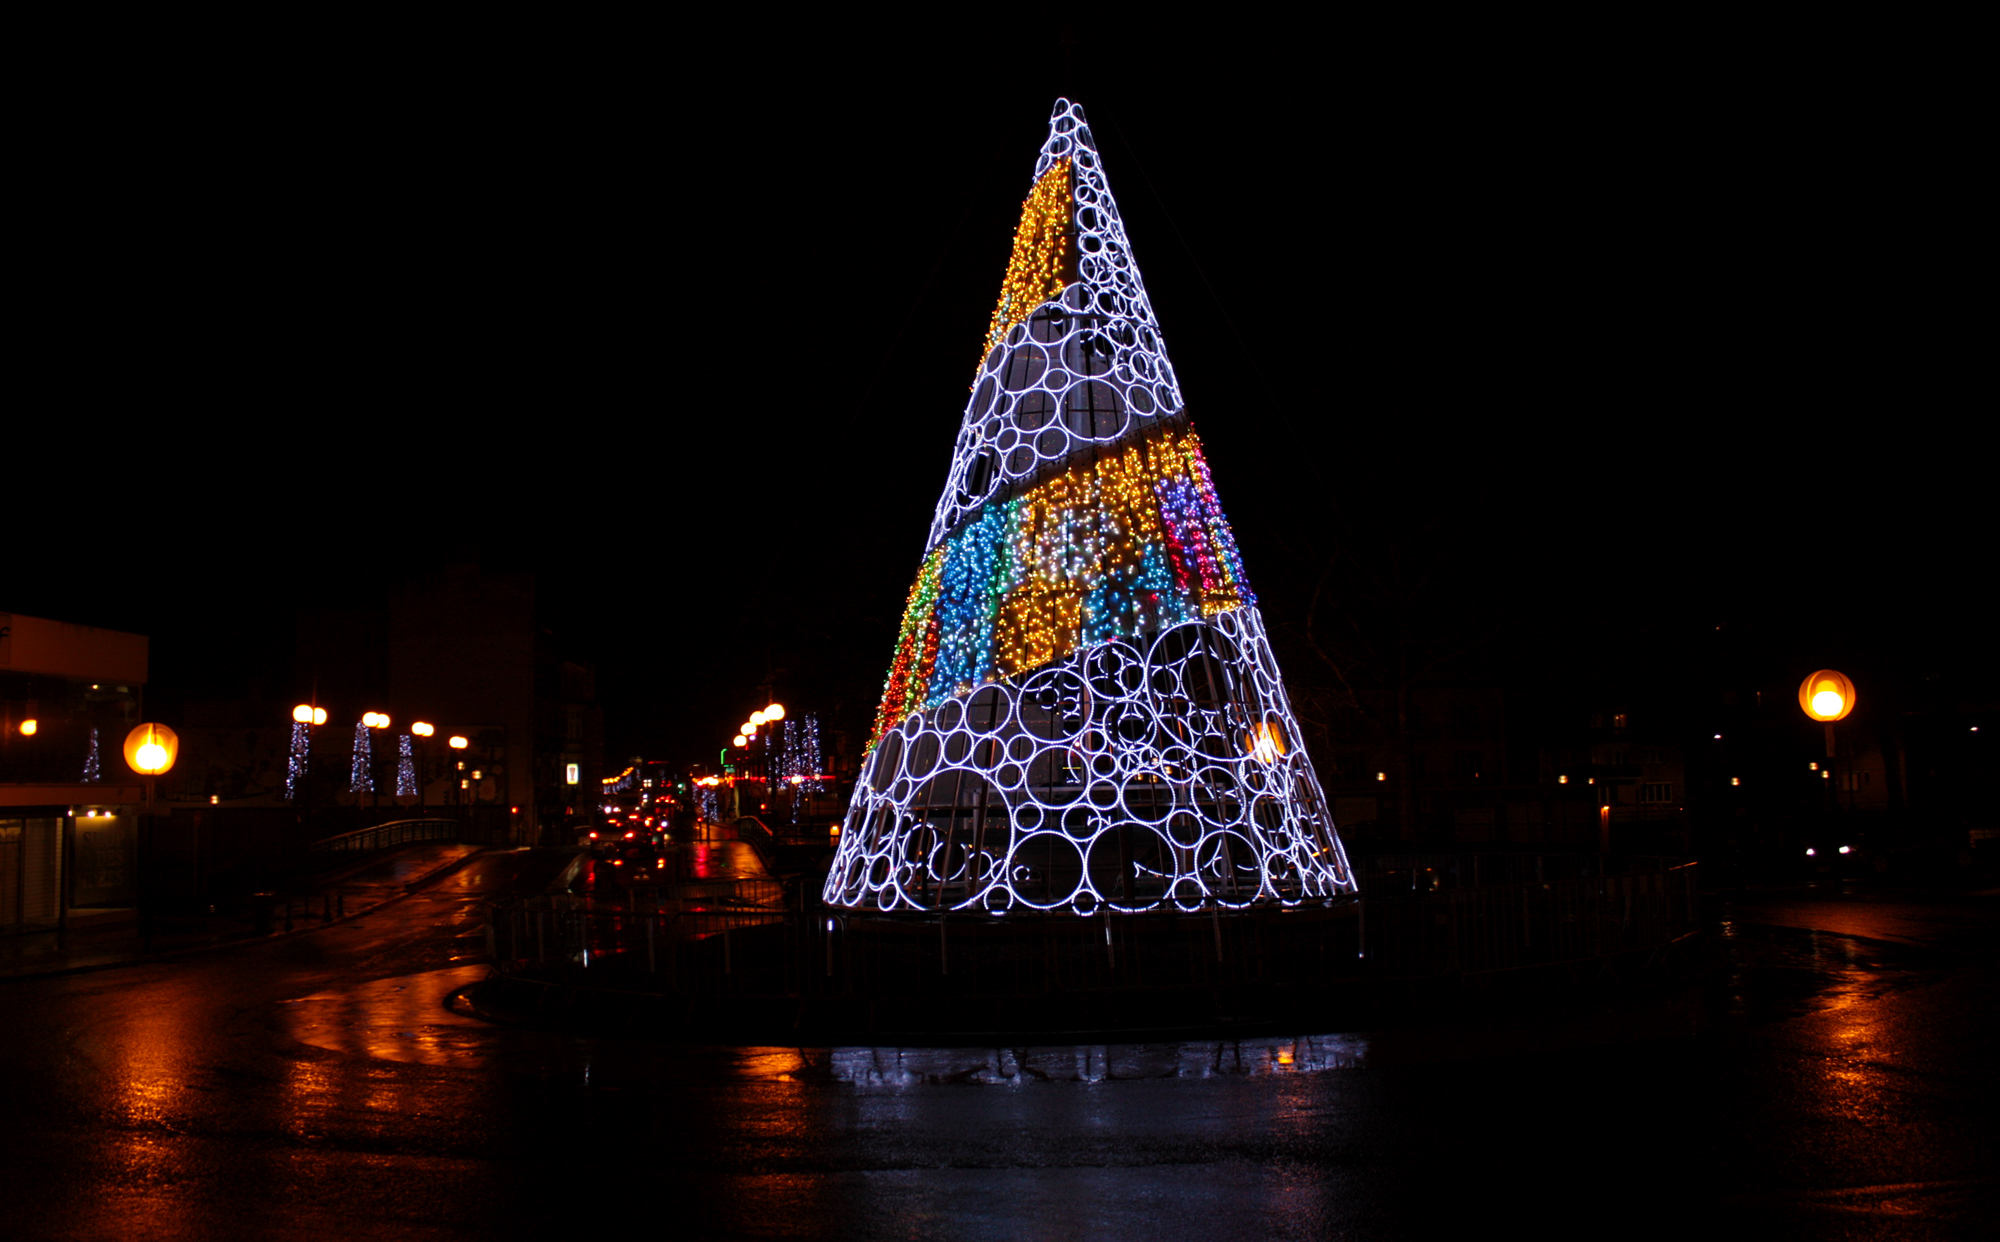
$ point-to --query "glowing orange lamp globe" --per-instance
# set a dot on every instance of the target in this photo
(1827, 696)
(150, 749)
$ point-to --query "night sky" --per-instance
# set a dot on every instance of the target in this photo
(1614, 339)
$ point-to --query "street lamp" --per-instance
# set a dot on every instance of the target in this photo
(150, 750)
(1827, 696)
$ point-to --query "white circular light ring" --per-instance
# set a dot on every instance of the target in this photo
(1138, 790)
(1027, 419)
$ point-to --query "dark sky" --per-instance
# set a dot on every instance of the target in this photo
(1629, 333)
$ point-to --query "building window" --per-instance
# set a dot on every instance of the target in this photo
(1657, 792)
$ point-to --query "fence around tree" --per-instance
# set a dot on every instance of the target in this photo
(1458, 918)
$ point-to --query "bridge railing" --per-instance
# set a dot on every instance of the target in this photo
(387, 836)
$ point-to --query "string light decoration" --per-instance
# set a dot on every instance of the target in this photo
(1042, 262)
(1083, 712)
(361, 773)
(1112, 548)
(406, 766)
(624, 782)
(93, 766)
(295, 765)
(804, 760)
(801, 768)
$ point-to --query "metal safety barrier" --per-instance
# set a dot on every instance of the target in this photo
(394, 833)
(1444, 916)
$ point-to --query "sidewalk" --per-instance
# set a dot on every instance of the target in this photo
(97, 940)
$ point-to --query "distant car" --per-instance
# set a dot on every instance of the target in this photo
(611, 838)
(1834, 854)
(630, 863)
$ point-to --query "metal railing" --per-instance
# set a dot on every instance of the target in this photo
(1434, 914)
(1462, 916)
(686, 942)
(386, 836)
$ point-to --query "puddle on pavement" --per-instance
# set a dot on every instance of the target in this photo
(1774, 973)
(399, 1019)
(897, 1067)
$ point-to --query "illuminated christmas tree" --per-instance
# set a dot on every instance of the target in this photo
(1083, 711)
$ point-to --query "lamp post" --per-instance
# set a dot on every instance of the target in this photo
(746, 733)
(369, 720)
(1828, 696)
(425, 730)
(774, 716)
(150, 751)
(459, 742)
(742, 743)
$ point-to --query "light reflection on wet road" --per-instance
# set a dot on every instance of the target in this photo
(1834, 1078)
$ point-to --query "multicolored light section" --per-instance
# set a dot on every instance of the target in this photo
(1131, 543)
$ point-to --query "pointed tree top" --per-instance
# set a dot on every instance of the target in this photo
(1073, 361)
(1070, 235)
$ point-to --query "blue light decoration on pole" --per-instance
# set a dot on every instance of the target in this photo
(1083, 712)
(406, 767)
(304, 717)
(361, 772)
(296, 760)
(802, 760)
(93, 766)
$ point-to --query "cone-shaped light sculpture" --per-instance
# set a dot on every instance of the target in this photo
(1083, 712)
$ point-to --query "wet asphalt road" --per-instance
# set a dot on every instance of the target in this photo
(1835, 1080)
